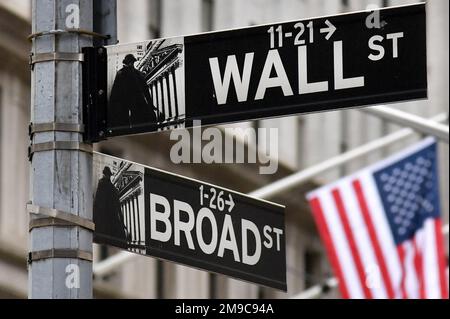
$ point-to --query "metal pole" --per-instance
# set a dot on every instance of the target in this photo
(317, 291)
(107, 265)
(61, 174)
(306, 175)
(417, 123)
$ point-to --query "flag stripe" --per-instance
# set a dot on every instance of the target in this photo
(418, 264)
(430, 261)
(341, 244)
(329, 245)
(402, 256)
(352, 243)
(412, 282)
(441, 259)
(374, 278)
(374, 238)
(382, 230)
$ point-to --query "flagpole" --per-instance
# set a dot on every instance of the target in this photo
(415, 122)
(309, 173)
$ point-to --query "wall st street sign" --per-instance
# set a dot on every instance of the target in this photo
(305, 66)
(155, 213)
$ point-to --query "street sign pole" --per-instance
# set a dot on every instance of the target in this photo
(60, 258)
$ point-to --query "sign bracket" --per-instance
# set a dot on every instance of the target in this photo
(58, 146)
(54, 127)
(55, 56)
(95, 94)
(68, 31)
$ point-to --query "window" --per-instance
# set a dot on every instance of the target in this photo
(155, 22)
(1, 126)
(344, 138)
(312, 268)
(256, 126)
(103, 252)
(301, 144)
(160, 275)
(207, 15)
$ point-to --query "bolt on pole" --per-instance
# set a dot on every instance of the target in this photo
(60, 258)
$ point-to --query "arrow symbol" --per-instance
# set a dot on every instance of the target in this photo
(230, 203)
(330, 29)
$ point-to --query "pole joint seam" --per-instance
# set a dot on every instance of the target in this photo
(54, 127)
(55, 56)
(59, 253)
(57, 218)
(68, 31)
(59, 146)
(49, 222)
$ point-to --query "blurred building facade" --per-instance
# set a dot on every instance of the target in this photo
(304, 141)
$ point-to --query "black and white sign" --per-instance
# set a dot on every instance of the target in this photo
(312, 65)
(155, 213)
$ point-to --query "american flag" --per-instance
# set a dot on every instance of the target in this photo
(382, 228)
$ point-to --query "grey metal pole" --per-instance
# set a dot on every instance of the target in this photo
(309, 173)
(415, 122)
(60, 250)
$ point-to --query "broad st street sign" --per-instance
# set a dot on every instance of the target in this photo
(312, 65)
(155, 213)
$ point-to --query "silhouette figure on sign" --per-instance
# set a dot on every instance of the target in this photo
(130, 102)
(108, 216)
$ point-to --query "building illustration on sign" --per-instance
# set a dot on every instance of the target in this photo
(159, 66)
(119, 205)
(146, 82)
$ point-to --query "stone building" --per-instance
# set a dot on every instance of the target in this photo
(304, 141)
